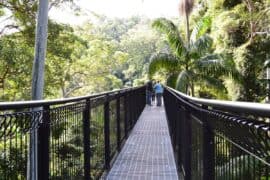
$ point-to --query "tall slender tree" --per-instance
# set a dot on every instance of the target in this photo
(38, 77)
(185, 8)
(40, 51)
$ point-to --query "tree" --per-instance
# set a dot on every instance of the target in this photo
(40, 51)
(38, 80)
(15, 66)
(139, 43)
(240, 31)
(189, 63)
(185, 8)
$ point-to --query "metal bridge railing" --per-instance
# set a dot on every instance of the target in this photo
(77, 138)
(219, 139)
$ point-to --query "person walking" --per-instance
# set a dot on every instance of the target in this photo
(159, 91)
(149, 91)
(153, 93)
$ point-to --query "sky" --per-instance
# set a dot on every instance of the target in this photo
(117, 8)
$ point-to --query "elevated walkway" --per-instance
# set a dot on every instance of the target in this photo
(77, 138)
(148, 152)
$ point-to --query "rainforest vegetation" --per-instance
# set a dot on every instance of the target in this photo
(216, 49)
(220, 52)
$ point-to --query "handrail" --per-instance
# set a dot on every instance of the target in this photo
(38, 103)
(235, 106)
(74, 137)
(215, 139)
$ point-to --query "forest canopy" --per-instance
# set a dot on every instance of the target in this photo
(110, 53)
(100, 55)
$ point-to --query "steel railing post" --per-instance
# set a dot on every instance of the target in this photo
(107, 132)
(208, 148)
(187, 143)
(126, 114)
(86, 139)
(118, 122)
(44, 144)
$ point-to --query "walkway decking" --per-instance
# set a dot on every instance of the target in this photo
(147, 154)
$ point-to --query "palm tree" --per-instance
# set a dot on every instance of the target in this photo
(191, 62)
(185, 8)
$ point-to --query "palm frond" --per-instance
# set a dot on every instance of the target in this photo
(201, 45)
(200, 28)
(162, 61)
(212, 82)
(171, 80)
(213, 64)
(262, 13)
(173, 35)
(183, 81)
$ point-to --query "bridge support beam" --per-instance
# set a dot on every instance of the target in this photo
(208, 149)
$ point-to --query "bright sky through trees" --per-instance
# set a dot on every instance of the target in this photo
(119, 8)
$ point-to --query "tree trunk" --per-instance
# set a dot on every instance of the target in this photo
(192, 89)
(187, 29)
(188, 46)
(40, 51)
(38, 81)
(252, 25)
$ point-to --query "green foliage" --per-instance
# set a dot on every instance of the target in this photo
(228, 29)
(224, 59)
(16, 163)
(183, 81)
(231, 3)
(201, 27)
(250, 66)
(166, 61)
(241, 169)
(110, 52)
(239, 31)
(139, 43)
(171, 80)
(194, 63)
(173, 35)
(223, 4)
(16, 58)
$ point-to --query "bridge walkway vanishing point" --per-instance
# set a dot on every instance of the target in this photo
(147, 153)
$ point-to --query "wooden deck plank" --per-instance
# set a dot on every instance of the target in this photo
(147, 154)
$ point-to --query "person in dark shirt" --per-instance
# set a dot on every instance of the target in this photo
(153, 93)
(149, 91)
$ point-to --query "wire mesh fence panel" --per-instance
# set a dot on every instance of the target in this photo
(233, 163)
(128, 113)
(72, 138)
(122, 118)
(196, 148)
(113, 128)
(215, 141)
(97, 141)
(242, 155)
(15, 130)
(66, 142)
